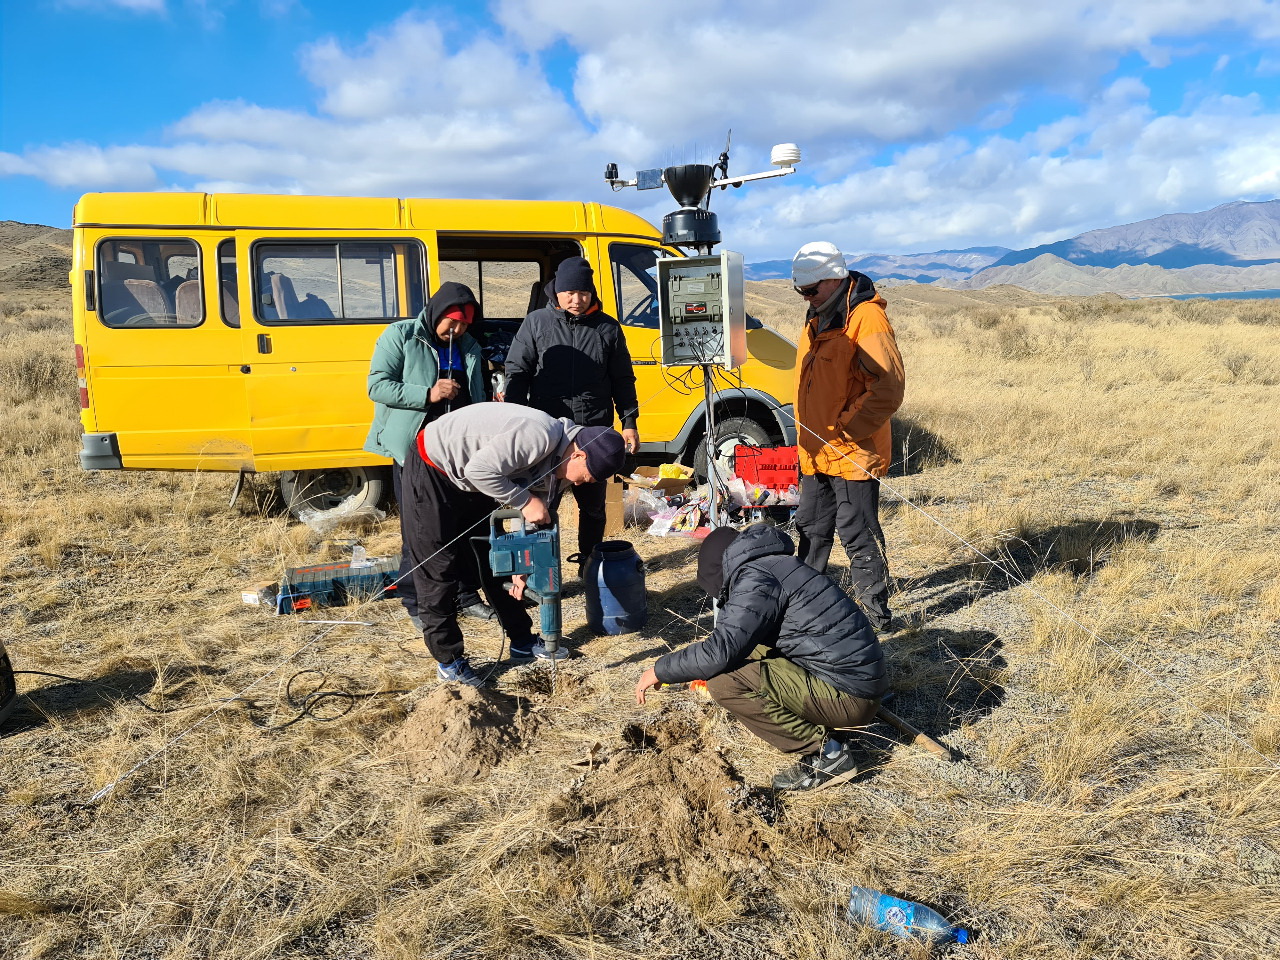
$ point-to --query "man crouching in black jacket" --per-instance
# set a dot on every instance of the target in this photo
(791, 655)
(570, 359)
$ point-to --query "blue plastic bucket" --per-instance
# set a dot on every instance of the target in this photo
(615, 593)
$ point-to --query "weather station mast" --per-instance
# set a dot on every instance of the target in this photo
(702, 317)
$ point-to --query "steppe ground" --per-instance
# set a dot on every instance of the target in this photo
(1084, 542)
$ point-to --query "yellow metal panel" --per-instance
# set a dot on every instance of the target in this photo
(497, 216)
(613, 220)
(142, 208)
(289, 212)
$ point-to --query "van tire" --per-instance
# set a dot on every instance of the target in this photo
(729, 433)
(311, 494)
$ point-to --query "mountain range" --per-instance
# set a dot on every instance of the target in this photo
(1233, 247)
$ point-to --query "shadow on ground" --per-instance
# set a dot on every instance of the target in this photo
(73, 698)
(1082, 548)
(917, 448)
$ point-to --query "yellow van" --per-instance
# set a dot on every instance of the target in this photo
(233, 331)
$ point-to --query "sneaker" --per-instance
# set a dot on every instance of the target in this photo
(459, 672)
(833, 758)
(535, 649)
(477, 611)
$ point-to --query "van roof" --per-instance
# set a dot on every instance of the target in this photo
(292, 212)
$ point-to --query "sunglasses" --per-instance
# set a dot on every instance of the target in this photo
(808, 291)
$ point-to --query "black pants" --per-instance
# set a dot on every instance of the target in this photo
(591, 499)
(852, 507)
(439, 521)
(468, 590)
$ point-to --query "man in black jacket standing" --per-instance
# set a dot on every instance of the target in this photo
(570, 359)
(791, 656)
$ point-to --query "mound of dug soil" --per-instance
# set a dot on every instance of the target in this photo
(461, 733)
(669, 807)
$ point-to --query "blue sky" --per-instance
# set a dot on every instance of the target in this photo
(987, 122)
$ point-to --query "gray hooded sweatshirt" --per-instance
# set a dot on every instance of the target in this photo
(505, 451)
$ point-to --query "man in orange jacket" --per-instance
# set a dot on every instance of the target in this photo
(849, 382)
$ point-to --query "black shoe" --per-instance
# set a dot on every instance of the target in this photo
(477, 611)
(833, 758)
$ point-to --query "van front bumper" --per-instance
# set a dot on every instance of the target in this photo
(100, 451)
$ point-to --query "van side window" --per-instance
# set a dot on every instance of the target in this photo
(508, 275)
(228, 295)
(337, 281)
(150, 282)
(635, 278)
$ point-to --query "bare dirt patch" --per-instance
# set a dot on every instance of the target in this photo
(460, 733)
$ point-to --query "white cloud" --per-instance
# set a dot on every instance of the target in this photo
(415, 109)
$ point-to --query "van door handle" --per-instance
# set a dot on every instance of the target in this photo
(264, 343)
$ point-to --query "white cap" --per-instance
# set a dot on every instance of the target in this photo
(817, 261)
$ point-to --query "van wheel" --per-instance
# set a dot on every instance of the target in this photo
(728, 434)
(337, 491)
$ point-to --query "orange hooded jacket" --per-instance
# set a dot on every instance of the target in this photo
(849, 382)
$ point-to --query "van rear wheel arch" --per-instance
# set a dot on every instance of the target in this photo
(333, 491)
(748, 422)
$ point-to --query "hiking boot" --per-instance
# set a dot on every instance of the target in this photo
(535, 649)
(833, 758)
(477, 611)
(459, 672)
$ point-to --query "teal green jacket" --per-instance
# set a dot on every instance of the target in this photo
(403, 371)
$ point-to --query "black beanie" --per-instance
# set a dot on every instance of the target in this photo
(574, 274)
(605, 451)
(711, 559)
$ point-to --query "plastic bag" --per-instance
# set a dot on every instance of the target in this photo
(639, 505)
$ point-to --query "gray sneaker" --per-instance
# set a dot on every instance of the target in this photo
(459, 671)
(833, 758)
(535, 649)
(478, 611)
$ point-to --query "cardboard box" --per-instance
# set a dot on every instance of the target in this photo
(649, 480)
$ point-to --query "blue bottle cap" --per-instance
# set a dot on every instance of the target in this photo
(962, 936)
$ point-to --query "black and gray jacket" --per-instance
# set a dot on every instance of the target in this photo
(574, 367)
(772, 598)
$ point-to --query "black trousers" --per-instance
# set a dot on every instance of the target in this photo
(468, 590)
(852, 507)
(439, 521)
(591, 499)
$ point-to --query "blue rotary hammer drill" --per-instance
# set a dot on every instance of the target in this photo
(534, 554)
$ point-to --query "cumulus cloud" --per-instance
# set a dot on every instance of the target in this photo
(414, 109)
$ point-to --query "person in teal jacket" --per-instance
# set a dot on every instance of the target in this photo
(421, 369)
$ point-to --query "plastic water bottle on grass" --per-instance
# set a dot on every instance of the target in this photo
(902, 918)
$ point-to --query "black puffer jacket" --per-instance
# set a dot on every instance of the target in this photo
(772, 598)
(575, 367)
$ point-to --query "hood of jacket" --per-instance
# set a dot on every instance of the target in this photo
(855, 289)
(450, 294)
(756, 541)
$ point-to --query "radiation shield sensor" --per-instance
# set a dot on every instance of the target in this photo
(702, 316)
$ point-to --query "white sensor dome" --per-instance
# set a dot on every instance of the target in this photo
(785, 155)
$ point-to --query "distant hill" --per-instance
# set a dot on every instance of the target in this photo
(1239, 234)
(1233, 247)
(33, 257)
(887, 268)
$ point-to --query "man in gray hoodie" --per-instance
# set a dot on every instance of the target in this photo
(460, 469)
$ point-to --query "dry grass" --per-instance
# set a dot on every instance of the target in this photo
(1118, 717)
